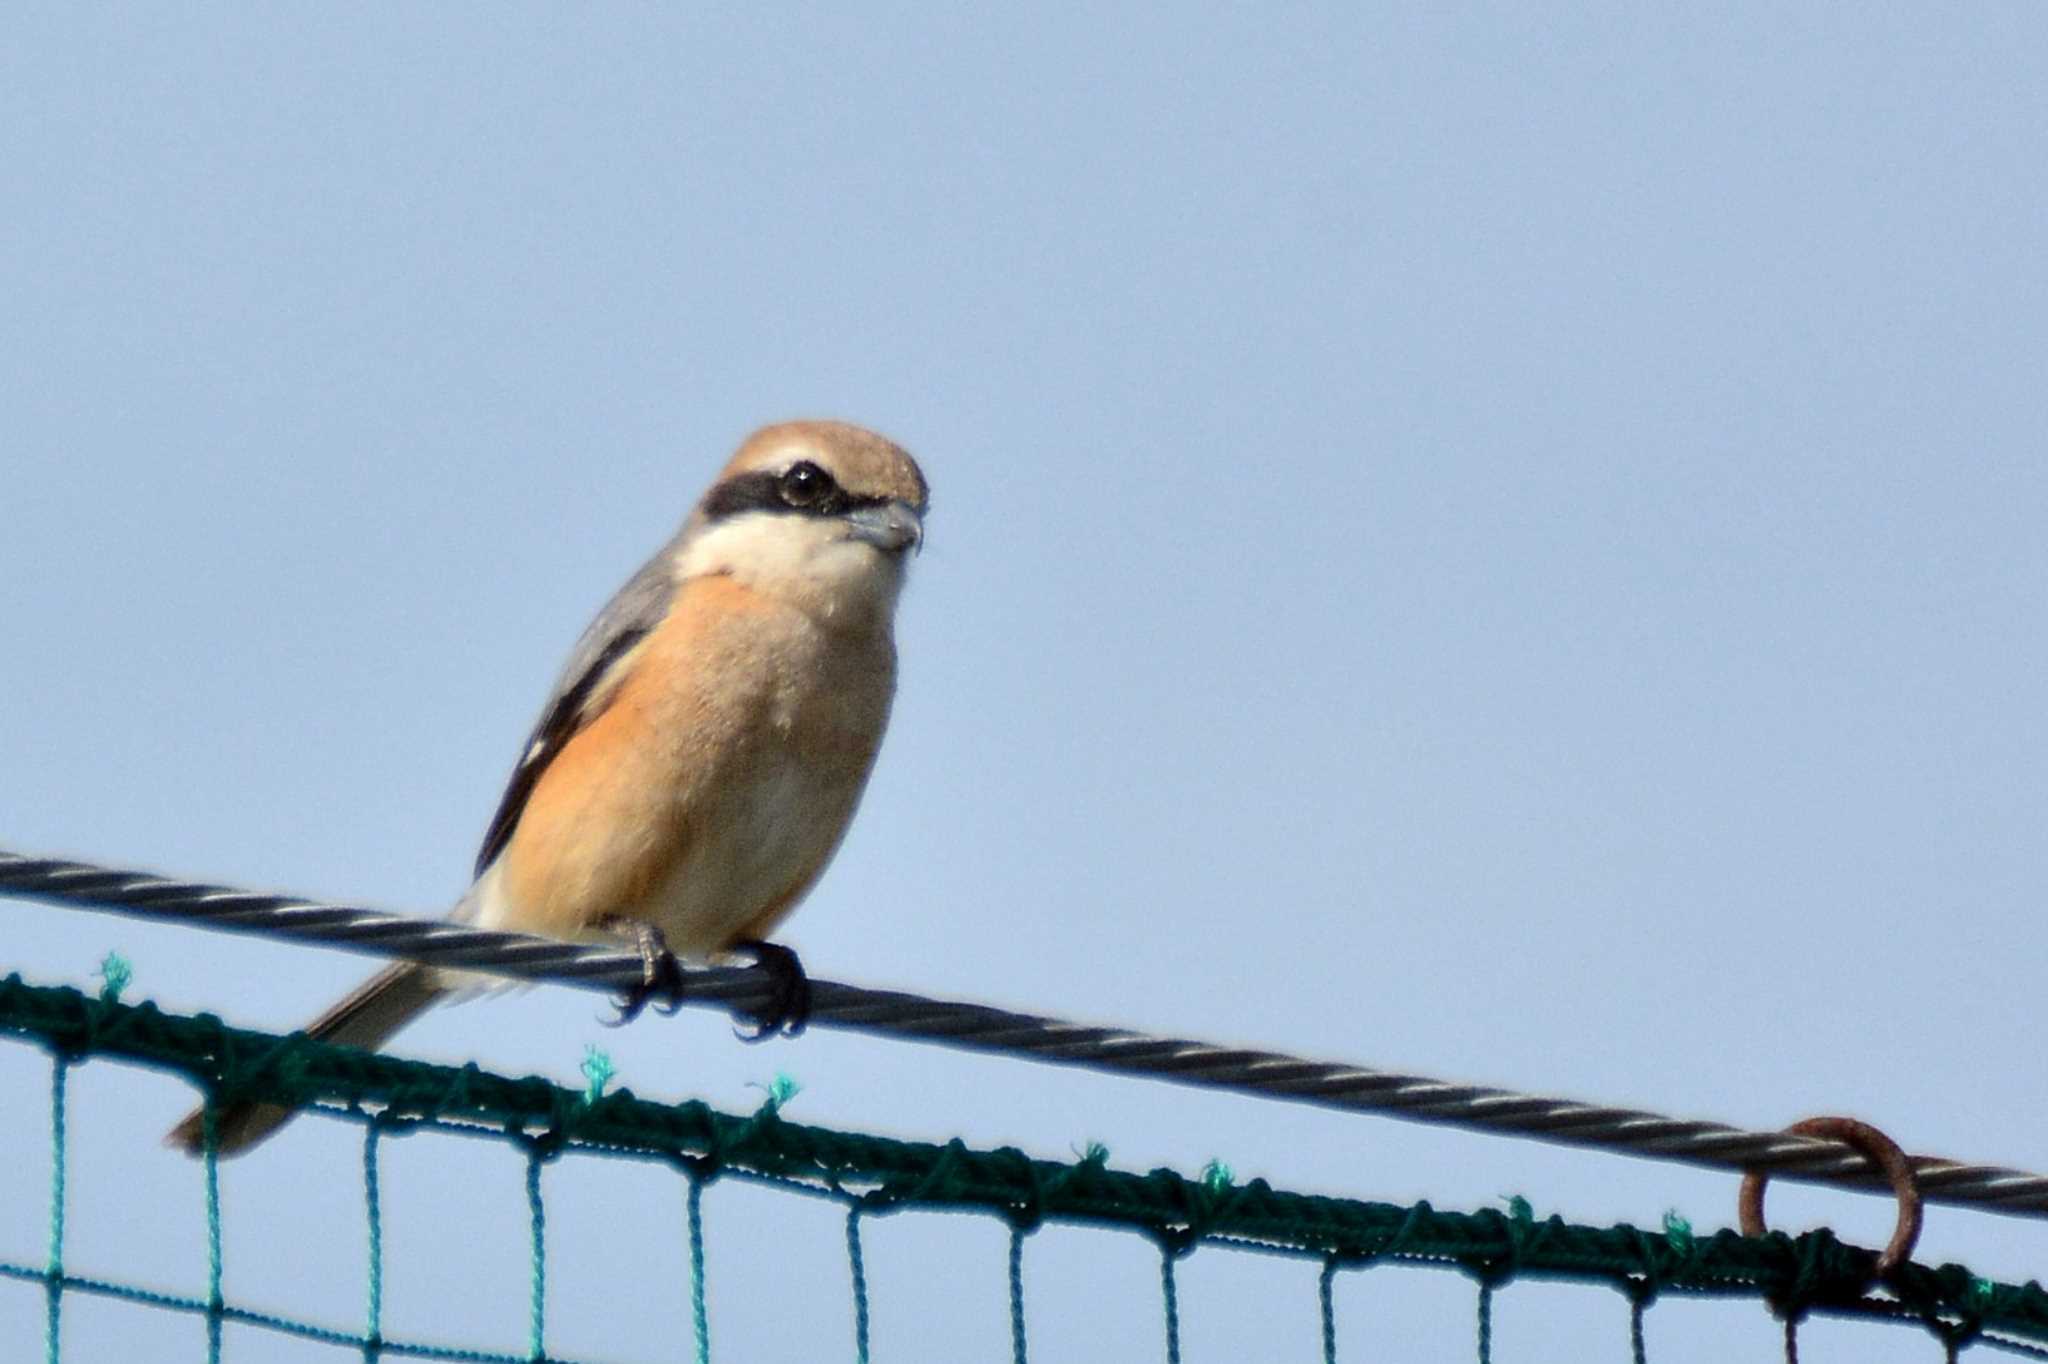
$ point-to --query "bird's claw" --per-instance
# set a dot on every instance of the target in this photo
(789, 1007)
(661, 978)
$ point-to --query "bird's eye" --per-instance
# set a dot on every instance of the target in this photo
(805, 484)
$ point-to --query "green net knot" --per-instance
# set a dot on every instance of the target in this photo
(114, 974)
(1520, 1210)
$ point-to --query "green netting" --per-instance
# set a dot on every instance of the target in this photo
(873, 1176)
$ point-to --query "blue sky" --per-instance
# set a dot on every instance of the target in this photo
(1488, 541)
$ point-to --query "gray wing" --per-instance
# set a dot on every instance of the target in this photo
(625, 620)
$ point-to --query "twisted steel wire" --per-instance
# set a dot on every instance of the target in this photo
(744, 991)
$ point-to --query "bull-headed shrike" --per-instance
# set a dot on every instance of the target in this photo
(702, 754)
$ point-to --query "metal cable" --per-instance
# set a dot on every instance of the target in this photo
(742, 991)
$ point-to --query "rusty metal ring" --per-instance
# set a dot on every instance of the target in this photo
(1883, 1153)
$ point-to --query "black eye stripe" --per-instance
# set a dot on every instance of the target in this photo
(761, 491)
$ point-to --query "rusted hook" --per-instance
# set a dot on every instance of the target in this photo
(1883, 1152)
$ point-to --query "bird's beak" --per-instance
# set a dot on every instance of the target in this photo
(891, 527)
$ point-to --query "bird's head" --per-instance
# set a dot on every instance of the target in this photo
(819, 514)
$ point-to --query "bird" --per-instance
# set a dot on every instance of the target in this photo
(703, 752)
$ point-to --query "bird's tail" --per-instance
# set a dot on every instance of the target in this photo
(365, 1017)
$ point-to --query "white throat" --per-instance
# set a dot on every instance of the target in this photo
(811, 562)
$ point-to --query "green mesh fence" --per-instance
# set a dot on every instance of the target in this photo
(873, 1176)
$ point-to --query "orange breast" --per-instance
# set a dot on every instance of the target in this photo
(711, 792)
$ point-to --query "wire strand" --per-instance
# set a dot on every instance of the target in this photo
(744, 991)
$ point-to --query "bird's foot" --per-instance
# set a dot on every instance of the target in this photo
(789, 1007)
(661, 975)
